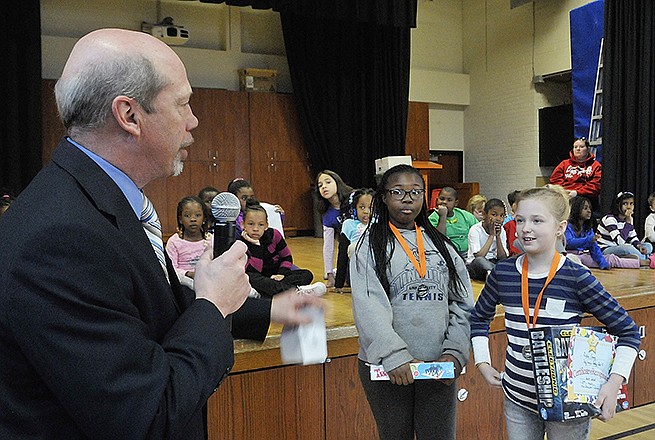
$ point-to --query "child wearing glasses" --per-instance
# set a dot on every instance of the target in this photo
(487, 241)
(411, 299)
(617, 232)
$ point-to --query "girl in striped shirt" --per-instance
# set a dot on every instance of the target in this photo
(569, 290)
(617, 232)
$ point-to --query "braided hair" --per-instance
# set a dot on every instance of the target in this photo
(381, 236)
(204, 227)
(350, 211)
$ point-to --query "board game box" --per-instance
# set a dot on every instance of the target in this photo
(551, 363)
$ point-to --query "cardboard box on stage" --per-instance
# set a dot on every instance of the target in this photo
(258, 80)
(383, 164)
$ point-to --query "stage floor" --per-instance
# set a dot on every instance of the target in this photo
(633, 287)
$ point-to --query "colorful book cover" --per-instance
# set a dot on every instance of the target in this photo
(420, 370)
(550, 362)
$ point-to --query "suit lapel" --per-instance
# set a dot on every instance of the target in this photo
(111, 202)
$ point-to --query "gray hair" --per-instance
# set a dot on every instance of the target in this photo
(84, 100)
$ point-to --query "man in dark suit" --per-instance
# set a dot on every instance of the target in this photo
(97, 339)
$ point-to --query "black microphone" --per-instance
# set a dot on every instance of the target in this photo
(225, 209)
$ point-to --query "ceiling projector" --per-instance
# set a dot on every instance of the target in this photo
(167, 32)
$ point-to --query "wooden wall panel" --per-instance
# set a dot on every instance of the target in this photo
(347, 413)
(417, 143)
(481, 414)
(643, 378)
(279, 403)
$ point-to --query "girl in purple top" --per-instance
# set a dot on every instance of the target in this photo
(332, 195)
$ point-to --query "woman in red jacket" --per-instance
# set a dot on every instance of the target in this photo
(580, 173)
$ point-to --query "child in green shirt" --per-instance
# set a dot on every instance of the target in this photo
(452, 221)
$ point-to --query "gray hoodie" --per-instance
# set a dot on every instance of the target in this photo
(421, 318)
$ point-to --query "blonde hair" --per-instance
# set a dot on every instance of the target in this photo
(555, 195)
(476, 201)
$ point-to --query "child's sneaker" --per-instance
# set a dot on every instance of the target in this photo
(316, 289)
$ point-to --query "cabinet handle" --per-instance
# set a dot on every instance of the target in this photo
(462, 394)
(642, 355)
(642, 331)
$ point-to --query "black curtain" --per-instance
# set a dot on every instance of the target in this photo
(351, 87)
(20, 152)
(386, 12)
(349, 66)
(629, 104)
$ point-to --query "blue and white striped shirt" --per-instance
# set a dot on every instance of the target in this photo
(573, 292)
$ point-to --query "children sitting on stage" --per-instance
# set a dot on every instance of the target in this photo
(270, 264)
(452, 221)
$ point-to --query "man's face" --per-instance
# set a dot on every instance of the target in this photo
(166, 132)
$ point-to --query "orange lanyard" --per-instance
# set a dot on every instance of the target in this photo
(421, 266)
(524, 288)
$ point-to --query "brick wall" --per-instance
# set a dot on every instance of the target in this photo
(501, 49)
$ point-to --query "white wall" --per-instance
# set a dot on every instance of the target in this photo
(473, 61)
(503, 50)
(222, 39)
(436, 75)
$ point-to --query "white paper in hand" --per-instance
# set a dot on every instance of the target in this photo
(307, 343)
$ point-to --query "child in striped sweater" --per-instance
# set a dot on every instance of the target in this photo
(617, 232)
(569, 290)
(270, 264)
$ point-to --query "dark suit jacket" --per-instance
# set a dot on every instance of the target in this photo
(94, 342)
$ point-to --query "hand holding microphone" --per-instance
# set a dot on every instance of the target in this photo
(223, 280)
(225, 209)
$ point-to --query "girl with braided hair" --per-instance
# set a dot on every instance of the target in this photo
(411, 298)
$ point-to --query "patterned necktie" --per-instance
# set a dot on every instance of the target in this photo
(151, 225)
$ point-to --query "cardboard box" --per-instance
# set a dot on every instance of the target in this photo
(258, 80)
(382, 165)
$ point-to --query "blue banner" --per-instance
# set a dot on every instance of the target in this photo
(586, 35)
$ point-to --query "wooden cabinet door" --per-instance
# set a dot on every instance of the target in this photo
(417, 139)
(279, 168)
(222, 133)
(274, 127)
(278, 403)
(643, 378)
(481, 414)
(347, 413)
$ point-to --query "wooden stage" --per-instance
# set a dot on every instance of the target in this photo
(338, 404)
(634, 288)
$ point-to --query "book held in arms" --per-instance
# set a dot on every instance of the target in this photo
(571, 364)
